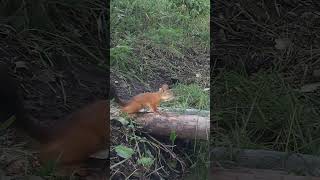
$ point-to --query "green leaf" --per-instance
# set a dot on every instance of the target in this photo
(124, 151)
(173, 136)
(145, 161)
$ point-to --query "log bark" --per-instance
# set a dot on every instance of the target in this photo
(186, 126)
(187, 111)
(264, 159)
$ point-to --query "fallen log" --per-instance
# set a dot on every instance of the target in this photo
(185, 126)
(261, 174)
(264, 159)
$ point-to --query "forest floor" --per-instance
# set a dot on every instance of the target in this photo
(152, 43)
(266, 75)
(60, 65)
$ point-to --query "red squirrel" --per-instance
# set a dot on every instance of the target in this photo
(72, 140)
(83, 133)
(150, 99)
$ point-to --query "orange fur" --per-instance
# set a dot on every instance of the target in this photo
(86, 133)
(150, 100)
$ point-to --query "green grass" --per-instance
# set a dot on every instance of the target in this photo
(141, 30)
(190, 96)
(264, 112)
(134, 19)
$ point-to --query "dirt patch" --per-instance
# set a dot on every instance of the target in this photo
(164, 67)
